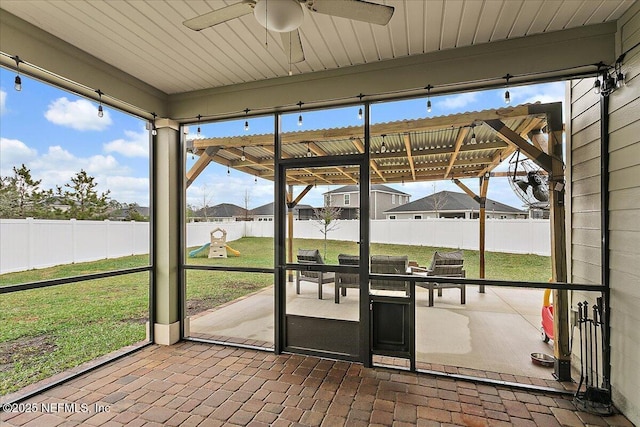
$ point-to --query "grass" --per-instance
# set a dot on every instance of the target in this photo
(46, 331)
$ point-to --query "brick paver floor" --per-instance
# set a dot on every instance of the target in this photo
(192, 384)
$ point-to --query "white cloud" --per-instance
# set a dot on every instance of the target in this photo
(14, 152)
(127, 189)
(454, 102)
(79, 115)
(545, 93)
(136, 144)
(3, 102)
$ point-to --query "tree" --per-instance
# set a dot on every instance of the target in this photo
(82, 198)
(133, 213)
(326, 217)
(440, 200)
(21, 196)
(247, 201)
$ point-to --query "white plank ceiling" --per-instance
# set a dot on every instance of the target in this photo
(146, 38)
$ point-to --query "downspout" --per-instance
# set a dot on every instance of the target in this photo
(604, 230)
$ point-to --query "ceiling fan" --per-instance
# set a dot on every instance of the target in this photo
(285, 16)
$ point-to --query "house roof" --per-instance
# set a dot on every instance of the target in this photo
(451, 201)
(268, 209)
(223, 210)
(373, 187)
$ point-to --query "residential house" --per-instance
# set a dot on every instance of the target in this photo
(381, 198)
(265, 212)
(224, 212)
(450, 204)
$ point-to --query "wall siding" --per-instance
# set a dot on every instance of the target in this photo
(624, 208)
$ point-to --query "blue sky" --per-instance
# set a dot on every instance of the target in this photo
(56, 133)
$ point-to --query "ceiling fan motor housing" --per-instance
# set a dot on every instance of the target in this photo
(281, 16)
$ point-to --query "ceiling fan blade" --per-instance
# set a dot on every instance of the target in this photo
(358, 10)
(219, 16)
(292, 45)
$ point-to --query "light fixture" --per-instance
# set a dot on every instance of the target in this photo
(473, 134)
(154, 131)
(428, 88)
(608, 79)
(596, 86)
(360, 109)
(383, 148)
(281, 16)
(246, 122)
(507, 95)
(299, 104)
(228, 170)
(18, 81)
(243, 157)
(198, 133)
(309, 153)
(255, 179)
(100, 110)
(402, 180)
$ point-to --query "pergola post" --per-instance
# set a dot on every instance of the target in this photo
(561, 348)
(482, 200)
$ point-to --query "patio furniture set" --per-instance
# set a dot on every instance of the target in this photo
(443, 264)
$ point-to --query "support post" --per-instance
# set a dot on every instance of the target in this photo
(561, 343)
(167, 295)
(484, 187)
(290, 231)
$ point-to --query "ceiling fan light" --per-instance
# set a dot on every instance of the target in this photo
(281, 16)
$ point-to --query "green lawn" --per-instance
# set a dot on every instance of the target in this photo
(46, 331)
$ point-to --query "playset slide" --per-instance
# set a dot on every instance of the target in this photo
(194, 253)
(201, 249)
(232, 251)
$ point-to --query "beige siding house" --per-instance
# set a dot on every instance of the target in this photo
(584, 126)
(450, 204)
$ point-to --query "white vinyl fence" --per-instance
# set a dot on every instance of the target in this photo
(35, 243)
(28, 244)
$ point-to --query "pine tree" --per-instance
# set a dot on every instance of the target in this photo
(83, 200)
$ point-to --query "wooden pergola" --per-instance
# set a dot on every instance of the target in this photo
(454, 147)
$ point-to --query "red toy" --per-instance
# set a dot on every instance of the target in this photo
(547, 316)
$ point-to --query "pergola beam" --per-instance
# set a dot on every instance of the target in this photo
(462, 134)
(513, 139)
(201, 164)
(407, 146)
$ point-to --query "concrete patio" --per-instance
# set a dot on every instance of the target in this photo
(450, 337)
(193, 384)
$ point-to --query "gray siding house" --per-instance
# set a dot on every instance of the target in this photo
(381, 198)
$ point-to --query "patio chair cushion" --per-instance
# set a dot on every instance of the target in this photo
(444, 264)
(346, 280)
(312, 256)
(389, 264)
